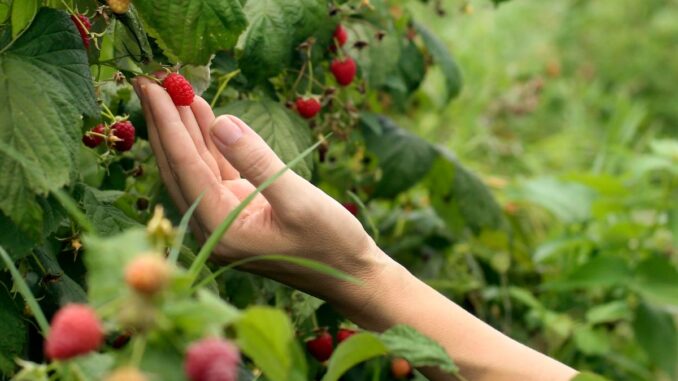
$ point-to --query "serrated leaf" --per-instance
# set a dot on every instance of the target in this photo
(460, 198)
(286, 133)
(106, 218)
(276, 28)
(206, 314)
(130, 37)
(47, 85)
(406, 342)
(378, 61)
(354, 350)
(191, 31)
(404, 158)
(442, 57)
(265, 335)
(106, 259)
(13, 331)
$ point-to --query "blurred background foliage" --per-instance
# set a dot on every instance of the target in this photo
(568, 113)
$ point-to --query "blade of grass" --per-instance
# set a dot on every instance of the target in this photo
(25, 291)
(215, 237)
(308, 263)
(370, 221)
(181, 231)
(72, 208)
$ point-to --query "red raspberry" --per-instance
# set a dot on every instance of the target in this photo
(339, 38)
(212, 359)
(344, 70)
(179, 89)
(344, 333)
(83, 27)
(125, 131)
(351, 207)
(75, 330)
(92, 141)
(400, 368)
(321, 347)
(307, 107)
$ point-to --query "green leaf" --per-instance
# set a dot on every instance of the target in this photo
(655, 331)
(569, 201)
(191, 31)
(404, 158)
(460, 198)
(592, 341)
(13, 331)
(656, 279)
(130, 37)
(106, 218)
(265, 335)
(106, 259)
(406, 342)
(608, 312)
(162, 360)
(354, 350)
(23, 13)
(286, 133)
(442, 57)
(47, 85)
(208, 313)
(586, 376)
(378, 61)
(95, 366)
(276, 28)
(601, 271)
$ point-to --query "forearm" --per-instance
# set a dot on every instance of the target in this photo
(481, 352)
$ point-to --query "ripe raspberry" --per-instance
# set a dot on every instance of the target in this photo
(212, 359)
(92, 141)
(179, 89)
(344, 70)
(339, 38)
(75, 330)
(307, 107)
(321, 347)
(119, 6)
(125, 131)
(126, 374)
(400, 368)
(147, 274)
(83, 27)
(344, 333)
(351, 207)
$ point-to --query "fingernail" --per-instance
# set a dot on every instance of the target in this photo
(225, 131)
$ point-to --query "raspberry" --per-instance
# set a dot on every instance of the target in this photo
(92, 141)
(344, 333)
(344, 70)
(351, 207)
(307, 107)
(119, 6)
(124, 131)
(179, 89)
(321, 347)
(83, 27)
(400, 368)
(75, 330)
(126, 374)
(147, 274)
(212, 359)
(339, 38)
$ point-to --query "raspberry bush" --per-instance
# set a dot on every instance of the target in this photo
(92, 244)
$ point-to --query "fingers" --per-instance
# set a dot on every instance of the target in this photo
(255, 160)
(205, 117)
(193, 130)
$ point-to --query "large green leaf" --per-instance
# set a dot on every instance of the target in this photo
(266, 336)
(442, 57)
(601, 271)
(655, 331)
(283, 130)
(656, 279)
(569, 201)
(406, 342)
(460, 198)
(378, 61)
(353, 351)
(276, 28)
(404, 158)
(190, 31)
(130, 37)
(46, 86)
(106, 218)
(13, 331)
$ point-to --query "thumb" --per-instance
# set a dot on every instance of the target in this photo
(248, 153)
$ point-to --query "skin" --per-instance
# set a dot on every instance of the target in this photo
(226, 160)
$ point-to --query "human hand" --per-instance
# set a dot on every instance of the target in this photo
(227, 160)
